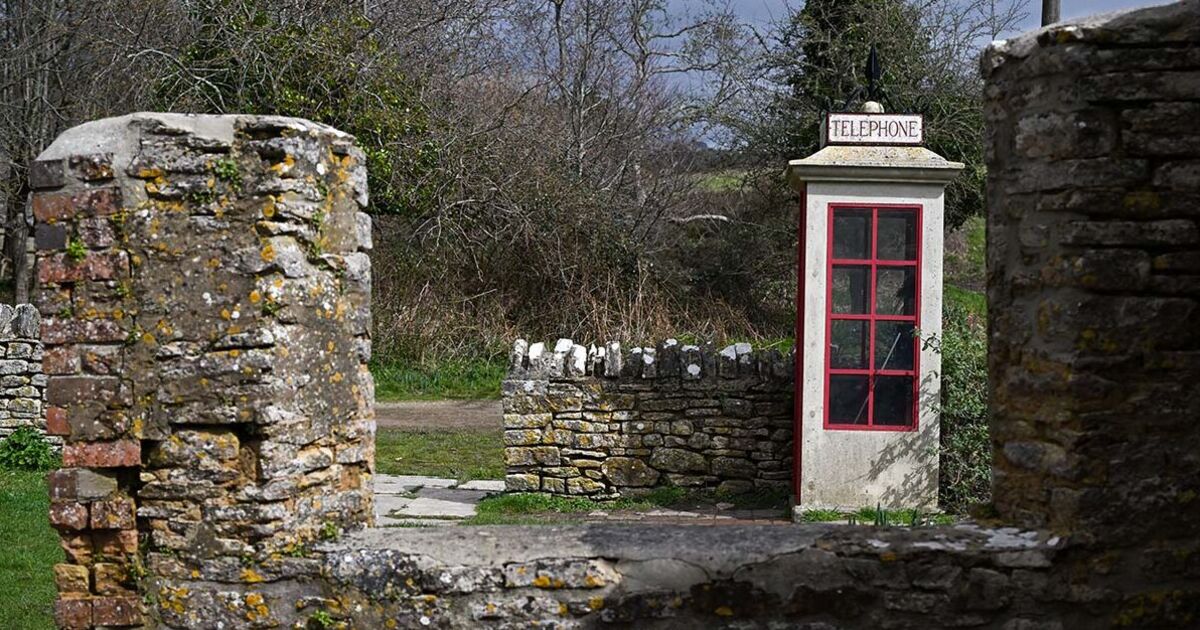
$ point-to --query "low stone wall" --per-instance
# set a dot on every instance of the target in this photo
(655, 576)
(22, 384)
(606, 422)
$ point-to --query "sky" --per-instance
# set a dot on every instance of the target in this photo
(763, 11)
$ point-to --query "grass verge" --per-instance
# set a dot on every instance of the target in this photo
(879, 517)
(453, 454)
(29, 554)
(467, 380)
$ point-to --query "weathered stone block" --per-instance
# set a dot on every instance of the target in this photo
(91, 168)
(113, 514)
(527, 437)
(117, 454)
(732, 467)
(56, 421)
(584, 485)
(531, 456)
(46, 174)
(527, 421)
(522, 483)
(73, 613)
(70, 516)
(71, 578)
(628, 472)
(678, 460)
(54, 207)
(117, 611)
(80, 483)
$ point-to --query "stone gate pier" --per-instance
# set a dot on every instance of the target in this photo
(206, 292)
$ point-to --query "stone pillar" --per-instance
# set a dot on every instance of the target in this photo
(1094, 278)
(206, 292)
(22, 384)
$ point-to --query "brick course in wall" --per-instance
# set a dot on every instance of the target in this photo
(606, 422)
(22, 383)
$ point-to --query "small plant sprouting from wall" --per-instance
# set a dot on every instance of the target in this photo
(76, 250)
(226, 170)
(320, 620)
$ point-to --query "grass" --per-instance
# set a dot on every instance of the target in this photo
(966, 255)
(974, 301)
(535, 509)
(454, 454)
(463, 380)
(879, 517)
(30, 551)
(721, 181)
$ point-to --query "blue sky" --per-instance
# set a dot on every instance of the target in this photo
(762, 11)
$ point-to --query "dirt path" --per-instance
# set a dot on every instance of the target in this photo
(439, 414)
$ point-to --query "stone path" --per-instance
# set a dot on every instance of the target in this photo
(413, 500)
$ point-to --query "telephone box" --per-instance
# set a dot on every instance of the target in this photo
(869, 315)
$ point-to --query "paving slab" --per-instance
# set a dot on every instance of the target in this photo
(400, 484)
(489, 485)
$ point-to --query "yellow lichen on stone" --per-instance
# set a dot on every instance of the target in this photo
(596, 603)
(724, 611)
(250, 576)
(255, 297)
(268, 253)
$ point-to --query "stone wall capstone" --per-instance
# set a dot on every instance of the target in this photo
(606, 422)
(22, 384)
(208, 297)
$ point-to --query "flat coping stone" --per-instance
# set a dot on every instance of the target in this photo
(718, 549)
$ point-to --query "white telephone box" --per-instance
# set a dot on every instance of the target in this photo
(869, 296)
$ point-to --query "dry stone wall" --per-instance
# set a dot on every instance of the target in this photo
(208, 292)
(22, 384)
(606, 422)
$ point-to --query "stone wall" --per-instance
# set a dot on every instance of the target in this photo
(207, 349)
(22, 384)
(1094, 277)
(607, 422)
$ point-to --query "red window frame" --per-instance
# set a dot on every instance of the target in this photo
(874, 263)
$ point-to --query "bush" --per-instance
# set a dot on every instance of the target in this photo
(966, 453)
(26, 449)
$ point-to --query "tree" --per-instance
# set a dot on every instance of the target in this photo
(815, 62)
(321, 60)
